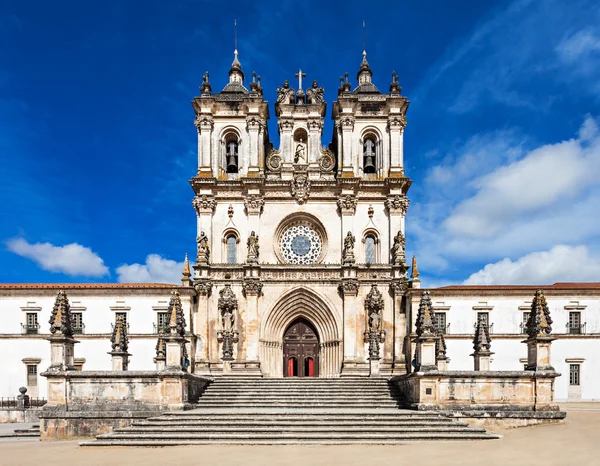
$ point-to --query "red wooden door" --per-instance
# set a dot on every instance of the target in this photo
(301, 350)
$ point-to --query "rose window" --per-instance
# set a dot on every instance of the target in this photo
(300, 244)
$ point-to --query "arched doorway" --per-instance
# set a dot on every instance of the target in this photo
(301, 350)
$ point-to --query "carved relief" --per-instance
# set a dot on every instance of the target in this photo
(326, 161)
(397, 122)
(301, 187)
(204, 123)
(203, 288)
(349, 287)
(397, 204)
(253, 123)
(347, 123)
(347, 204)
(204, 204)
(252, 286)
(227, 336)
(254, 204)
(375, 335)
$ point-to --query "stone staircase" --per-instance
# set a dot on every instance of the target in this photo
(293, 411)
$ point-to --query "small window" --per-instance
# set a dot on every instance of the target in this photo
(231, 249)
(369, 156)
(31, 323)
(440, 322)
(232, 156)
(77, 322)
(575, 322)
(525, 320)
(370, 249)
(31, 375)
(574, 374)
(162, 321)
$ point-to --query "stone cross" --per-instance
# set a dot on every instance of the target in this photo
(300, 75)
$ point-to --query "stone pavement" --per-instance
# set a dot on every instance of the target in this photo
(574, 442)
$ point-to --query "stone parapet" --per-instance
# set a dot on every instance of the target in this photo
(80, 403)
(488, 392)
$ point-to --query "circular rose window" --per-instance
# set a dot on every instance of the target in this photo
(301, 244)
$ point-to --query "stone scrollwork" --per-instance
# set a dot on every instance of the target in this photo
(253, 123)
(374, 335)
(399, 286)
(397, 204)
(326, 161)
(285, 125)
(227, 336)
(254, 204)
(274, 161)
(204, 204)
(347, 123)
(347, 204)
(397, 122)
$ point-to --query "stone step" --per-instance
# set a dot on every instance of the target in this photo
(294, 436)
(292, 405)
(190, 431)
(268, 397)
(204, 423)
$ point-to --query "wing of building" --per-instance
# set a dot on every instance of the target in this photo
(300, 268)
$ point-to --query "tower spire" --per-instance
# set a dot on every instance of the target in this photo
(364, 38)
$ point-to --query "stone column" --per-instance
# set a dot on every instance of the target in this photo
(205, 125)
(398, 288)
(203, 289)
(285, 133)
(396, 128)
(351, 364)
(252, 288)
(348, 161)
(253, 125)
(314, 138)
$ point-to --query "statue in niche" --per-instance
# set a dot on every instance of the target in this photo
(203, 249)
(285, 94)
(348, 252)
(398, 256)
(315, 94)
(253, 248)
(300, 153)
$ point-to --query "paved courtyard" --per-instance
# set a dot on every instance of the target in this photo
(577, 441)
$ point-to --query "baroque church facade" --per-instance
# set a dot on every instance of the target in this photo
(300, 268)
(299, 237)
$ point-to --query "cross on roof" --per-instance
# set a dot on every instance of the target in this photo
(300, 75)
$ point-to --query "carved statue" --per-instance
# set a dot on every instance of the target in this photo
(203, 249)
(348, 252)
(315, 94)
(253, 248)
(398, 255)
(285, 94)
(300, 154)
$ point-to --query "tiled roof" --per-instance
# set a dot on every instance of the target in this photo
(81, 286)
(555, 286)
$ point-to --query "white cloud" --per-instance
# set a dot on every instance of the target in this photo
(71, 259)
(156, 270)
(578, 46)
(561, 263)
(546, 176)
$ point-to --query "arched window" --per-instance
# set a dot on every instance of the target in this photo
(232, 151)
(231, 249)
(370, 249)
(369, 155)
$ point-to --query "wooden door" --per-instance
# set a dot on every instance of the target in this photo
(301, 350)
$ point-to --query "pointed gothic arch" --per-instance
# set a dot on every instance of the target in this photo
(300, 303)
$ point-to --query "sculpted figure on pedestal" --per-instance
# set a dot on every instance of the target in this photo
(253, 248)
(285, 94)
(203, 249)
(315, 94)
(348, 252)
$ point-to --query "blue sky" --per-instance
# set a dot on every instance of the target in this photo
(97, 141)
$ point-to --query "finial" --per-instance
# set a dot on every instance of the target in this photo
(235, 37)
(425, 317)
(414, 272)
(481, 340)
(186, 266)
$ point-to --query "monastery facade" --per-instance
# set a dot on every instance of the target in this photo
(300, 268)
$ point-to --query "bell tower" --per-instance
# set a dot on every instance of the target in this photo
(369, 127)
(232, 127)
